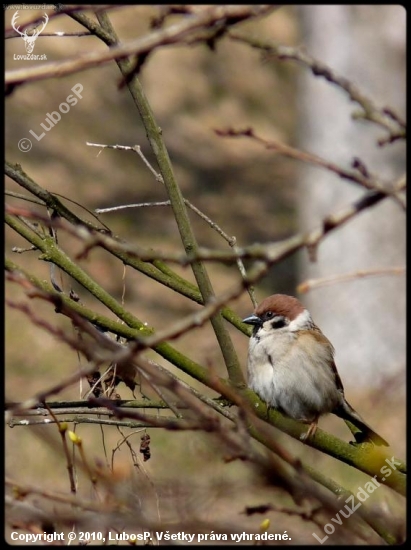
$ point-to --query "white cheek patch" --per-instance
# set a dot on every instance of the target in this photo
(301, 321)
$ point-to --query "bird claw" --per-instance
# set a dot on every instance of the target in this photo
(310, 432)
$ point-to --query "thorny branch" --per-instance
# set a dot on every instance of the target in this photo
(385, 117)
(358, 176)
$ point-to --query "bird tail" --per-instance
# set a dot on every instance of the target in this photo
(365, 433)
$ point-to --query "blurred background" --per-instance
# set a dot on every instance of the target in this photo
(253, 194)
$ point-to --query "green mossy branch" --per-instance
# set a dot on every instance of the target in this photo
(52, 253)
(366, 457)
(16, 172)
(156, 270)
(188, 238)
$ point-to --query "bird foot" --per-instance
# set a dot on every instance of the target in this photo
(310, 432)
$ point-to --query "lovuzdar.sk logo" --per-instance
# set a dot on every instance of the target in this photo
(29, 39)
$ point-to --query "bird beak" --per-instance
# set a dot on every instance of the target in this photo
(252, 320)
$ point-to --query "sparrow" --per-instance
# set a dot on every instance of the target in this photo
(291, 367)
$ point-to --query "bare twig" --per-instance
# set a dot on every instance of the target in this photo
(230, 240)
(370, 183)
(172, 34)
(312, 284)
(383, 116)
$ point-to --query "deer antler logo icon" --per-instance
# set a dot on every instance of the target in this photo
(29, 39)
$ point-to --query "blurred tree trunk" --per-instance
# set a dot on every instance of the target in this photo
(365, 318)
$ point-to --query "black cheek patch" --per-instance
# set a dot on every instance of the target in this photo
(278, 322)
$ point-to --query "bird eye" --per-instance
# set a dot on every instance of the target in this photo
(269, 315)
